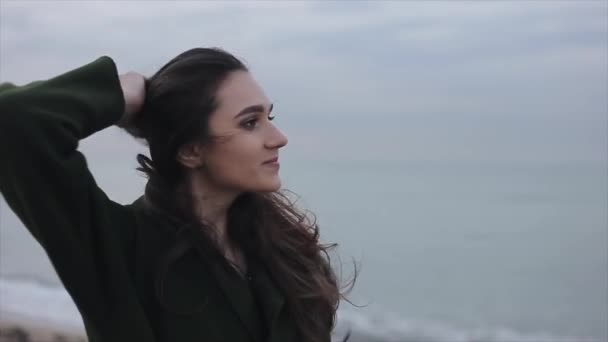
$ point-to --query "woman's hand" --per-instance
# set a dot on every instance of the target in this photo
(134, 90)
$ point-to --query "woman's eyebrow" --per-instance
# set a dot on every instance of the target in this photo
(254, 109)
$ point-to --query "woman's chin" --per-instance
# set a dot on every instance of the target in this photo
(270, 186)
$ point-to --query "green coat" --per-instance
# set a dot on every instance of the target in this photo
(109, 255)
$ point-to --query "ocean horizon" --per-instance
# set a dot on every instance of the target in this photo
(447, 251)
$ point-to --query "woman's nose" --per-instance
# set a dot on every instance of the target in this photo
(277, 139)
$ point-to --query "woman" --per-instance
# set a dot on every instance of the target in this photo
(212, 251)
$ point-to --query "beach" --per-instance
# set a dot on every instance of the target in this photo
(13, 330)
(20, 331)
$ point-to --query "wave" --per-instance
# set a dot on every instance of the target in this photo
(390, 327)
(38, 302)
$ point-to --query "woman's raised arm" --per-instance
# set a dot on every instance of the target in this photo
(46, 181)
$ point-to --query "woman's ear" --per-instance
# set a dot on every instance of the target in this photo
(190, 155)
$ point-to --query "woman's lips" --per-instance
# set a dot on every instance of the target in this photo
(274, 162)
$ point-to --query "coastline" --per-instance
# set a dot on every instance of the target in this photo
(26, 330)
(35, 312)
(21, 329)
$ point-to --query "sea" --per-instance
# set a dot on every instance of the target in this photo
(445, 251)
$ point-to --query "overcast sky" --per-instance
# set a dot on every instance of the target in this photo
(453, 81)
(497, 82)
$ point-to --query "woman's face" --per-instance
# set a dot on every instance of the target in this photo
(238, 159)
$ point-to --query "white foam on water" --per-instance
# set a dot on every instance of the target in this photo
(390, 327)
(38, 304)
(32, 302)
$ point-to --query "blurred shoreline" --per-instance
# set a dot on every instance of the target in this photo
(13, 329)
(23, 331)
(35, 312)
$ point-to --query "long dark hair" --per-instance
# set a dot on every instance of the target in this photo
(180, 97)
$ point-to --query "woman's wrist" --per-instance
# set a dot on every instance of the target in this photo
(134, 91)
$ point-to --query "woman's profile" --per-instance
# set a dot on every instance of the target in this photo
(214, 250)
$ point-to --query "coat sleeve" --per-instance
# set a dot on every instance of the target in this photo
(46, 181)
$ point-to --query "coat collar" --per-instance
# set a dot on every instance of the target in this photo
(240, 293)
(239, 296)
(268, 293)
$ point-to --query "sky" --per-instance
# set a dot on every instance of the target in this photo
(462, 81)
(502, 83)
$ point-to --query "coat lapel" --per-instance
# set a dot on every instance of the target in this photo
(270, 296)
(236, 292)
(240, 294)
(240, 298)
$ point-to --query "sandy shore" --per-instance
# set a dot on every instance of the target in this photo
(20, 332)
(13, 331)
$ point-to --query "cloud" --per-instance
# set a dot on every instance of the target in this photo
(400, 71)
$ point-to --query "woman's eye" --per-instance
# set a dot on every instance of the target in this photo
(250, 123)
